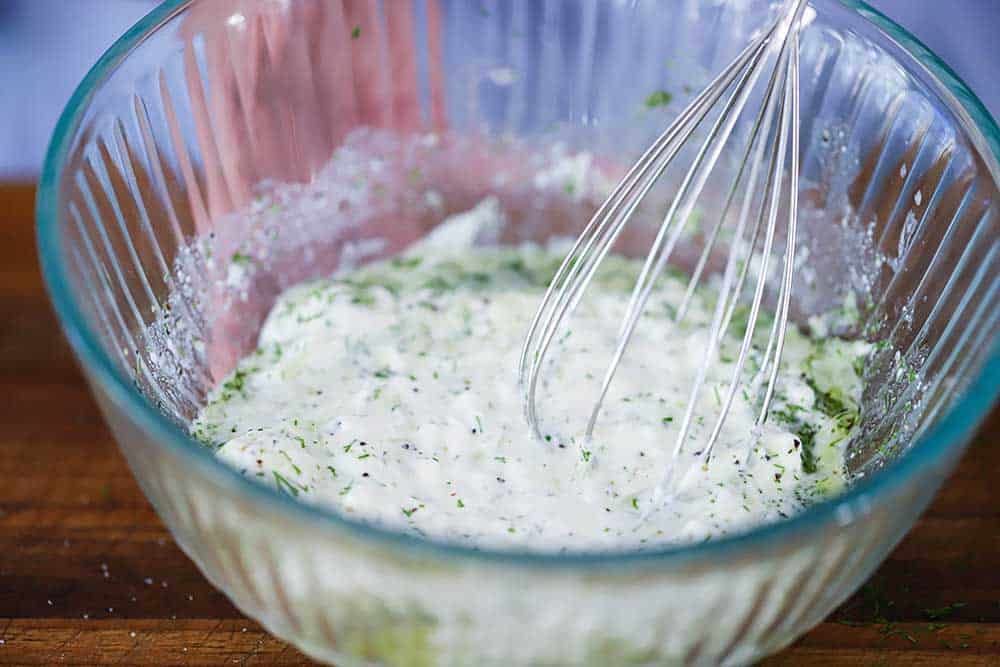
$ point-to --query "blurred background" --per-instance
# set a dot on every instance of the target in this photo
(46, 47)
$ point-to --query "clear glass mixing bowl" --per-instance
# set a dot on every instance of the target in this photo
(203, 104)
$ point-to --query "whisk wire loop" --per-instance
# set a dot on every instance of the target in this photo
(597, 238)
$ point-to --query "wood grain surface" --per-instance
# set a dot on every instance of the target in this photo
(89, 575)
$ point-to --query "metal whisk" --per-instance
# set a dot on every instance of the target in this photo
(773, 145)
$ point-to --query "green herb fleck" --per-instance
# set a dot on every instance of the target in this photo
(237, 382)
(356, 32)
(826, 402)
(786, 415)
(943, 612)
(363, 297)
(859, 366)
(438, 284)
(807, 438)
(459, 503)
(409, 512)
(660, 98)
(284, 485)
(406, 262)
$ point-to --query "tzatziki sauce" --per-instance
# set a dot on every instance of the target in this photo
(390, 393)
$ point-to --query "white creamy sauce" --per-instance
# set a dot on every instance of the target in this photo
(390, 393)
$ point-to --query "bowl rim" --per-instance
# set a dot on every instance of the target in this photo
(949, 435)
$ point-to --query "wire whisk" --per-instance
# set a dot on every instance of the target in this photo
(772, 147)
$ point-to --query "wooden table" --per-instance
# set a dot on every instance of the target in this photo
(88, 574)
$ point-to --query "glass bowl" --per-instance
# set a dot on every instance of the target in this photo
(208, 108)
